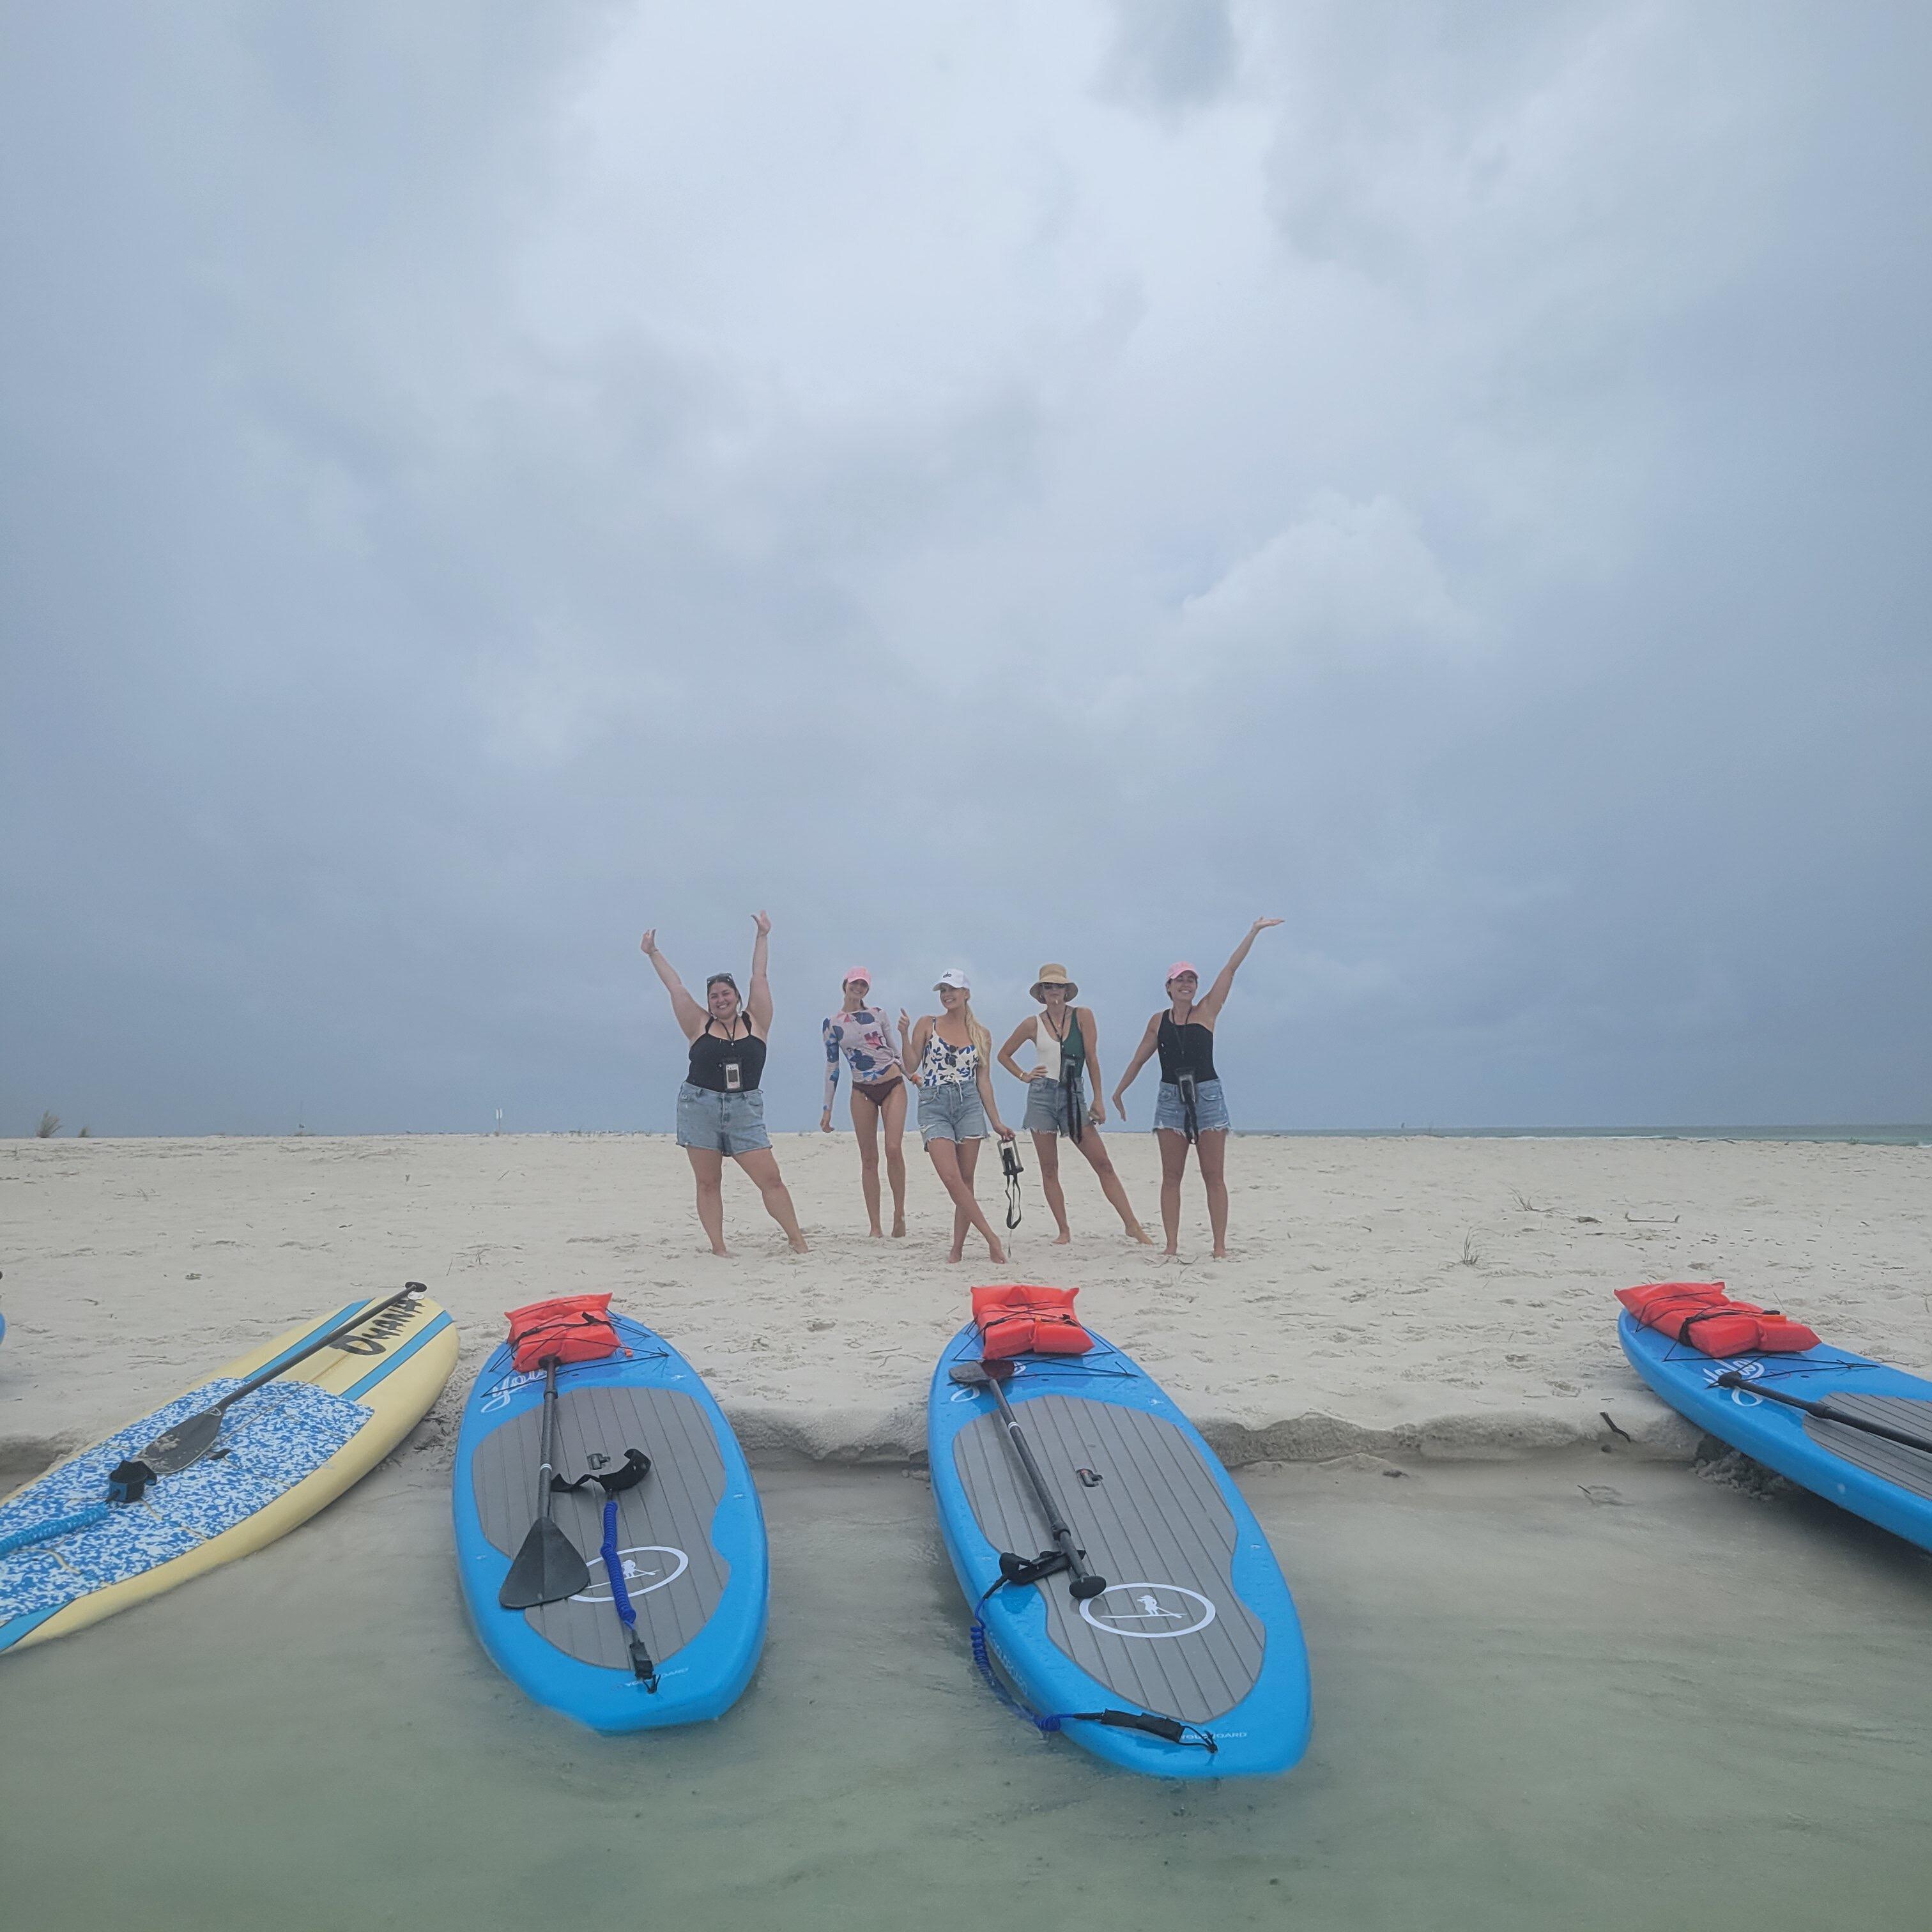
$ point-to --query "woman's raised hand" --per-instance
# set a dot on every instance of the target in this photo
(905, 1020)
(1262, 924)
(763, 921)
(650, 944)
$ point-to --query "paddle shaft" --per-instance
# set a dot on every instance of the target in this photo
(1062, 1534)
(544, 1475)
(335, 1334)
(1732, 1381)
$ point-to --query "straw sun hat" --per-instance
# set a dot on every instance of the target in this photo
(1054, 974)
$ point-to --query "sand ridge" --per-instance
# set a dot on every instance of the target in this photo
(1422, 1296)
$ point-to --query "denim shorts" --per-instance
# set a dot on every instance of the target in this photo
(1045, 1107)
(721, 1123)
(949, 1110)
(1211, 1108)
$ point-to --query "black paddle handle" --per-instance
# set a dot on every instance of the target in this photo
(1062, 1534)
(1731, 1380)
(335, 1334)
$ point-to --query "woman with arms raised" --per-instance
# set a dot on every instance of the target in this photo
(857, 1032)
(947, 1056)
(1191, 1109)
(720, 1108)
(1067, 1040)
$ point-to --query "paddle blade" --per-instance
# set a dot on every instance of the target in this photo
(547, 1569)
(977, 1375)
(189, 1440)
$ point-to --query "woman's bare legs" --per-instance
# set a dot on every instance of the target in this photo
(866, 1115)
(1212, 1146)
(1046, 1151)
(865, 1125)
(1173, 1165)
(762, 1165)
(894, 1113)
(953, 1162)
(1090, 1143)
(707, 1164)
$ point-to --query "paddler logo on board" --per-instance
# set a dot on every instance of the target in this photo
(647, 1567)
(1148, 1610)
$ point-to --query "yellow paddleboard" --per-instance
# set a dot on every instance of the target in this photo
(284, 1452)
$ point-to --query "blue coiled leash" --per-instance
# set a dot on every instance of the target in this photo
(635, 1467)
(59, 1525)
(640, 1658)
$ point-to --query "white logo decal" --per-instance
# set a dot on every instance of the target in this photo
(1148, 1610)
(641, 1576)
(1744, 1398)
(498, 1397)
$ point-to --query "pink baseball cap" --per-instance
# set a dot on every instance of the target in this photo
(1180, 967)
(857, 972)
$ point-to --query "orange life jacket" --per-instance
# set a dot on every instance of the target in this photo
(1017, 1318)
(1702, 1314)
(572, 1328)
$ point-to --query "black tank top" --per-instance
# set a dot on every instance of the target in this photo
(710, 1051)
(1188, 1049)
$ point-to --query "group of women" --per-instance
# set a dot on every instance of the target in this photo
(947, 1057)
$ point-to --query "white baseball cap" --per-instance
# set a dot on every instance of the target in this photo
(952, 976)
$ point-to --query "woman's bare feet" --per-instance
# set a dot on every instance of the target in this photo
(723, 1253)
(1135, 1232)
(1218, 1254)
(958, 1254)
(1060, 1240)
(898, 1227)
(797, 1244)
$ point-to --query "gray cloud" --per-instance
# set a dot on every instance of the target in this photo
(1169, 54)
(479, 484)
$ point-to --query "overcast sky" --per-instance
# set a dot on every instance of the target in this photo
(991, 483)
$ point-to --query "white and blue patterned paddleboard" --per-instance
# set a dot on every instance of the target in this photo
(690, 1537)
(1196, 1624)
(67, 1559)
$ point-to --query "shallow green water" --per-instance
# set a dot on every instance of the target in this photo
(1683, 1708)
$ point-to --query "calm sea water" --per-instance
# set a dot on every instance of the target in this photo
(1664, 1705)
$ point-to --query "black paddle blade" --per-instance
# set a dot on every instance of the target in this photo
(189, 1440)
(547, 1569)
(970, 1375)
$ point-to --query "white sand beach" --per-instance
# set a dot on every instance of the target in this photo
(1416, 1296)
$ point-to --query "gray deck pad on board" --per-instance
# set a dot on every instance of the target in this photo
(1910, 1468)
(674, 1576)
(1169, 1635)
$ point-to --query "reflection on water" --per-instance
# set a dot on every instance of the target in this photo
(1659, 1705)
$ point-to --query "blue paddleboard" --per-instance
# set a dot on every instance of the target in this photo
(1196, 1625)
(1886, 1482)
(690, 1537)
